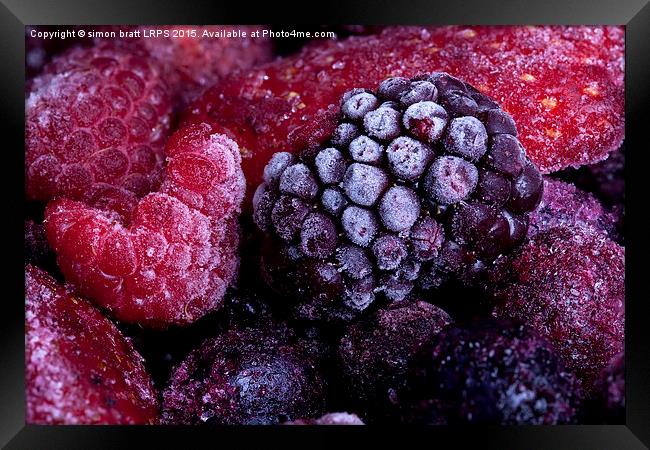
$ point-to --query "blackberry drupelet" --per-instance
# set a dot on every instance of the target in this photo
(421, 181)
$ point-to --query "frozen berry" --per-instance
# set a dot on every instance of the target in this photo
(344, 134)
(97, 117)
(490, 372)
(244, 377)
(375, 353)
(79, 368)
(569, 285)
(419, 209)
(555, 81)
(172, 263)
(382, 123)
(357, 105)
(338, 418)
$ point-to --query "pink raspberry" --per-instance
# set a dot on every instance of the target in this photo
(79, 368)
(568, 283)
(172, 263)
(95, 127)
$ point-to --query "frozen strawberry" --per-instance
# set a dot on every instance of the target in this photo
(192, 63)
(96, 122)
(562, 85)
(569, 285)
(79, 368)
(171, 263)
(564, 205)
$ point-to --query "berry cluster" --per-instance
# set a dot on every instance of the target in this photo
(422, 179)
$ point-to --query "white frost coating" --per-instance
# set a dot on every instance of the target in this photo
(425, 120)
(467, 137)
(360, 225)
(276, 165)
(330, 165)
(399, 208)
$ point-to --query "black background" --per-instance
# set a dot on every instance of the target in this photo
(15, 14)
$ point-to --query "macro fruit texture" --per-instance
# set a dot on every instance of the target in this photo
(569, 285)
(490, 372)
(421, 181)
(567, 78)
(79, 368)
(251, 376)
(172, 263)
(338, 418)
(96, 123)
(375, 354)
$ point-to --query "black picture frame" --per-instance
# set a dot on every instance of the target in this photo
(634, 14)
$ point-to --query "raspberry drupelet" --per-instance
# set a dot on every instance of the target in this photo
(247, 376)
(421, 181)
(95, 127)
(490, 372)
(79, 368)
(172, 263)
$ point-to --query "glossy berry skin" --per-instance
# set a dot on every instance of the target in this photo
(569, 79)
(244, 377)
(417, 196)
(568, 284)
(490, 372)
(375, 354)
(172, 263)
(79, 368)
(96, 123)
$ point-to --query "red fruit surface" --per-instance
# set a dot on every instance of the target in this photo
(172, 263)
(79, 368)
(568, 283)
(191, 64)
(562, 85)
(565, 205)
(95, 127)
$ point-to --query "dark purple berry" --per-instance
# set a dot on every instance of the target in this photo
(344, 134)
(419, 91)
(399, 208)
(330, 165)
(408, 158)
(389, 251)
(318, 236)
(358, 105)
(365, 150)
(497, 121)
(527, 190)
(263, 202)
(492, 188)
(425, 121)
(364, 184)
(427, 237)
(287, 216)
(458, 103)
(466, 137)
(445, 82)
(333, 201)
(450, 179)
(354, 262)
(276, 166)
(299, 181)
(359, 294)
(360, 225)
(506, 155)
(382, 123)
(392, 88)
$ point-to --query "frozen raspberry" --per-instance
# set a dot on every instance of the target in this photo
(562, 85)
(490, 372)
(376, 352)
(244, 377)
(171, 263)
(406, 213)
(338, 418)
(79, 369)
(96, 122)
(564, 205)
(569, 285)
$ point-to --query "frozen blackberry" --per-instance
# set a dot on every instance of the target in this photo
(422, 181)
(375, 354)
(490, 372)
(244, 376)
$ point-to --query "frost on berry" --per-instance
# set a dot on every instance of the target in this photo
(333, 201)
(382, 123)
(569, 285)
(299, 181)
(318, 237)
(330, 165)
(365, 150)
(392, 88)
(364, 184)
(389, 251)
(360, 225)
(354, 262)
(466, 137)
(450, 179)
(408, 158)
(344, 134)
(173, 261)
(96, 116)
(399, 208)
(276, 166)
(419, 91)
(425, 121)
(79, 368)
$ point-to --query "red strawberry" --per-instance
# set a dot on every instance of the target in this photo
(79, 368)
(562, 85)
(172, 263)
